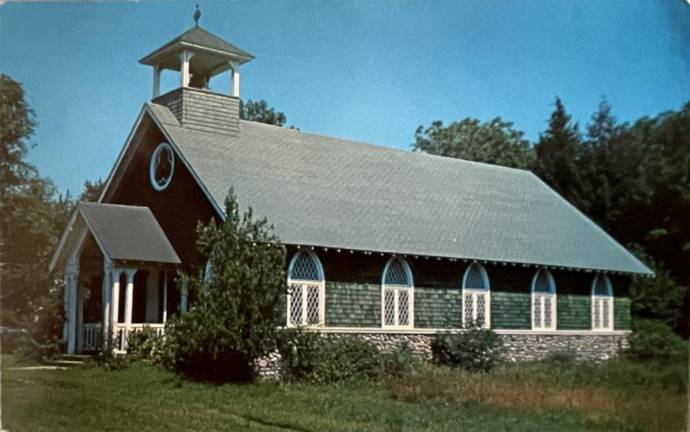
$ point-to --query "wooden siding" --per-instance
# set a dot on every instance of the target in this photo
(353, 304)
(574, 312)
(353, 294)
(437, 307)
(202, 110)
(178, 208)
(621, 313)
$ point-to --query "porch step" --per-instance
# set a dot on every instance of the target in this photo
(75, 357)
(68, 360)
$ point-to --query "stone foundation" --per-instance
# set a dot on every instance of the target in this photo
(594, 347)
(519, 346)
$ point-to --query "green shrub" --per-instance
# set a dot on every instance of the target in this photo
(234, 317)
(300, 353)
(653, 340)
(142, 345)
(476, 349)
(400, 362)
(312, 357)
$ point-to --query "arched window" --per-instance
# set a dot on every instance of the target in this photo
(397, 294)
(306, 290)
(602, 303)
(543, 301)
(476, 297)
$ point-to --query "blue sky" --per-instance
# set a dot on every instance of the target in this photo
(369, 71)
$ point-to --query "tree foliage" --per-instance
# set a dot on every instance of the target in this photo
(33, 217)
(92, 190)
(558, 152)
(259, 111)
(494, 142)
(236, 314)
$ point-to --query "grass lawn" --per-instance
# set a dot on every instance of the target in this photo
(146, 398)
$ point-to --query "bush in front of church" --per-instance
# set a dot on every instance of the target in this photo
(235, 316)
(475, 350)
(312, 357)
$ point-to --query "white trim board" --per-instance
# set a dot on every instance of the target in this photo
(429, 331)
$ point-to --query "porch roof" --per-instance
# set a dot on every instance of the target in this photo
(122, 232)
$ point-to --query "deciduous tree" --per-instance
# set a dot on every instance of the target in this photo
(494, 142)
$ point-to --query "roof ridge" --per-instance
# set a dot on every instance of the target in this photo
(387, 148)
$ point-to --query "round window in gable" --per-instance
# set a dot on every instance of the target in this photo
(162, 166)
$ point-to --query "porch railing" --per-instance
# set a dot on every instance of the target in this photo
(91, 337)
(122, 333)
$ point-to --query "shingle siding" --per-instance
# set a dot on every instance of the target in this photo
(510, 310)
(353, 294)
(203, 111)
(353, 305)
(621, 313)
(437, 307)
(574, 312)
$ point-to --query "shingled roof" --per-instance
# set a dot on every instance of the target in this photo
(333, 193)
(122, 232)
(128, 233)
(197, 36)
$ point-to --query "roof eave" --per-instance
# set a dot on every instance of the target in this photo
(154, 58)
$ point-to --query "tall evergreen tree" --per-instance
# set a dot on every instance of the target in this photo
(557, 154)
(600, 178)
(92, 190)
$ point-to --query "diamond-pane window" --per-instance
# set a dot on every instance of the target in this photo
(475, 277)
(476, 297)
(403, 307)
(543, 301)
(543, 282)
(306, 296)
(389, 307)
(398, 297)
(396, 273)
(305, 266)
(602, 303)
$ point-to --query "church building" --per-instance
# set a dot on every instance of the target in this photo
(384, 244)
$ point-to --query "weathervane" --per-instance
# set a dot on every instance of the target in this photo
(197, 15)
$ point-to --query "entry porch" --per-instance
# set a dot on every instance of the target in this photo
(119, 270)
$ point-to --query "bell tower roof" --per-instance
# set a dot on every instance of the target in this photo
(212, 54)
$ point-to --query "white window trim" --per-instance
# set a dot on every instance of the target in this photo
(609, 296)
(554, 301)
(396, 290)
(303, 285)
(475, 292)
(152, 169)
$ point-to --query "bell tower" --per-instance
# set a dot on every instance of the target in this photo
(199, 55)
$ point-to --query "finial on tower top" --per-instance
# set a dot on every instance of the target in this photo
(197, 15)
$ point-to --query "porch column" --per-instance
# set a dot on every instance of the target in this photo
(106, 299)
(183, 298)
(185, 56)
(80, 313)
(234, 79)
(71, 285)
(129, 296)
(114, 300)
(165, 296)
(156, 81)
